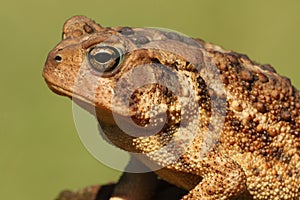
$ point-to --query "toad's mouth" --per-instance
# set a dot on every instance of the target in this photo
(102, 113)
(83, 102)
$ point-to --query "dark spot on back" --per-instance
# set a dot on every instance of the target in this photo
(140, 40)
(173, 36)
(246, 75)
(268, 67)
(232, 58)
(190, 41)
(126, 31)
(263, 78)
(287, 80)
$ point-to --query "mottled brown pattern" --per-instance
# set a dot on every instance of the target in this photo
(253, 155)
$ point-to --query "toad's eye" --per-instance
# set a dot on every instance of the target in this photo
(104, 58)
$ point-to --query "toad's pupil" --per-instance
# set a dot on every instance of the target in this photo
(102, 57)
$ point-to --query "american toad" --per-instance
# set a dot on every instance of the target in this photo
(209, 120)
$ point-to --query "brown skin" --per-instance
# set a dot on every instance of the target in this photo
(255, 154)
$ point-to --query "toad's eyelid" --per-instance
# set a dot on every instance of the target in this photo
(103, 41)
(92, 42)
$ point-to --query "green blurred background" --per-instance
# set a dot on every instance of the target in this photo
(40, 152)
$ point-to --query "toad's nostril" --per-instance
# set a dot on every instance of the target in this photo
(58, 58)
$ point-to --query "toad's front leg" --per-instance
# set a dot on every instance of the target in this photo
(222, 179)
(135, 186)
